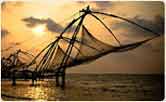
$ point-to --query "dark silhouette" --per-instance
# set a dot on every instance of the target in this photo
(13, 77)
(56, 59)
(34, 78)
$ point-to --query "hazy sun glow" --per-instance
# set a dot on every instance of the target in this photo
(39, 30)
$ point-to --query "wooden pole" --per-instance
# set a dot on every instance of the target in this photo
(33, 78)
(68, 52)
(13, 78)
(63, 79)
(57, 79)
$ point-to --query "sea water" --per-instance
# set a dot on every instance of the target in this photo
(88, 87)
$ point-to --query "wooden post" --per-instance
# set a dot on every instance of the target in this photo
(57, 79)
(33, 78)
(13, 78)
(63, 79)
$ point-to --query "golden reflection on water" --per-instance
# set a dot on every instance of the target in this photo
(43, 91)
(88, 88)
(37, 93)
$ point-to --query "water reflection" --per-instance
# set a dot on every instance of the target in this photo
(37, 93)
(88, 88)
(43, 90)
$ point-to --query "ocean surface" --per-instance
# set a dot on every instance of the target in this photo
(88, 87)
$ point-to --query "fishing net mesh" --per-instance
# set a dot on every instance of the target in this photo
(86, 48)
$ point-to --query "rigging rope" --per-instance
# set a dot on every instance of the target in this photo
(87, 44)
(122, 18)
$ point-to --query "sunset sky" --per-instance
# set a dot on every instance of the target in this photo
(31, 26)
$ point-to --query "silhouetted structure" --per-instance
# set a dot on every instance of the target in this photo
(82, 50)
(14, 77)
(79, 48)
(14, 64)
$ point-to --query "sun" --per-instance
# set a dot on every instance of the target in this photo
(39, 30)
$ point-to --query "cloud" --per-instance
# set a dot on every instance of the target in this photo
(97, 5)
(103, 4)
(3, 5)
(51, 25)
(32, 22)
(156, 24)
(4, 32)
(8, 5)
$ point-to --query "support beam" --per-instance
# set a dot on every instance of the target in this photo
(13, 78)
(68, 52)
(57, 79)
(63, 82)
(34, 78)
